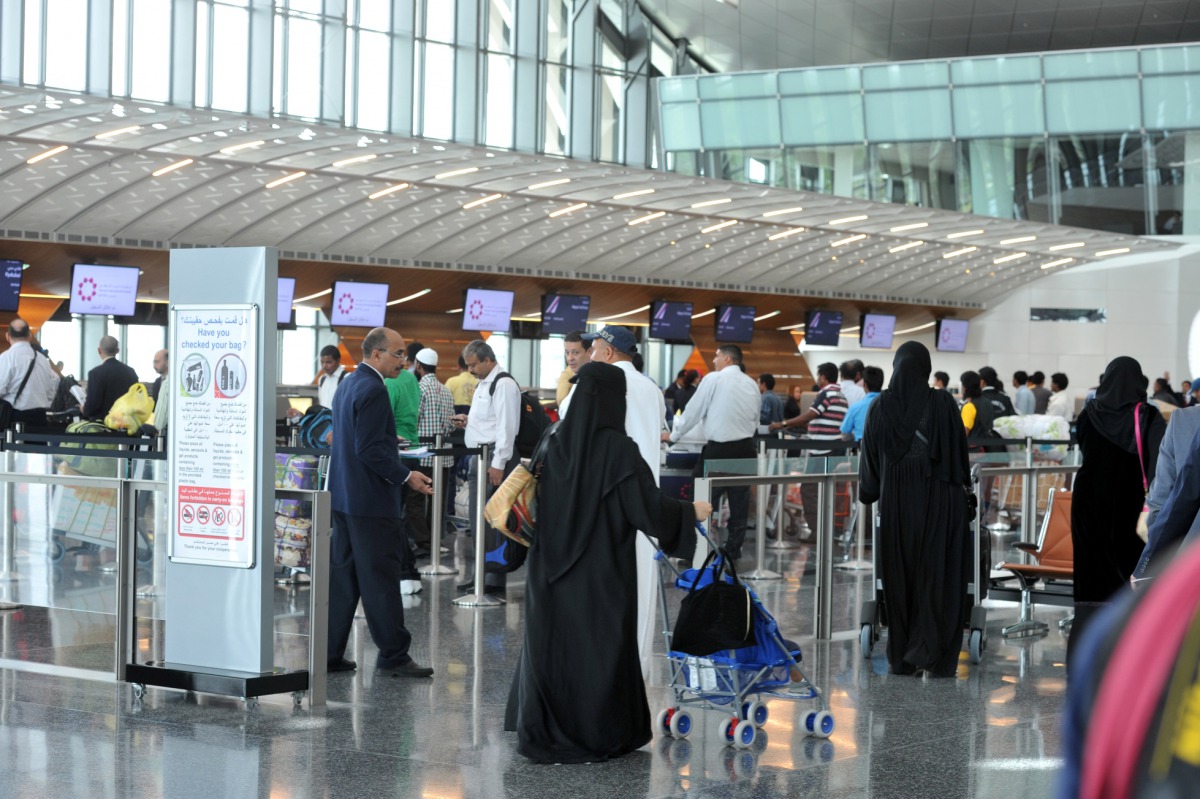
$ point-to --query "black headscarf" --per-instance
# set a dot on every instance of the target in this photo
(1121, 388)
(587, 457)
(903, 402)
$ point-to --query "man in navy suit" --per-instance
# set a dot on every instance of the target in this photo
(365, 477)
(108, 382)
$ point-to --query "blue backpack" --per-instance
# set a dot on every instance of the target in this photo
(314, 425)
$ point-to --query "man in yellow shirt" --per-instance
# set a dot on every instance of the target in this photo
(575, 352)
(462, 387)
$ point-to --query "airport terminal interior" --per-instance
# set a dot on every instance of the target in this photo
(1007, 183)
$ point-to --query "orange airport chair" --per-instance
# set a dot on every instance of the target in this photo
(1055, 559)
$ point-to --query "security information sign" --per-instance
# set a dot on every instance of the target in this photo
(213, 432)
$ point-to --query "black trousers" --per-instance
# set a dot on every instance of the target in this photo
(415, 504)
(739, 498)
(365, 562)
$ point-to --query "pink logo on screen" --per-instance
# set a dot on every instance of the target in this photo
(86, 290)
(345, 303)
(869, 331)
(476, 310)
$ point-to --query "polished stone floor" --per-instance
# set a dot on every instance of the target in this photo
(67, 730)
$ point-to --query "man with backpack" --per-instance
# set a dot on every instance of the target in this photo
(27, 380)
(332, 375)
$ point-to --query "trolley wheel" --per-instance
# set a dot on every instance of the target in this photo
(976, 643)
(743, 734)
(297, 698)
(662, 722)
(819, 723)
(57, 550)
(755, 712)
(251, 702)
(139, 690)
(866, 640)
(680, 723)
(725, 729)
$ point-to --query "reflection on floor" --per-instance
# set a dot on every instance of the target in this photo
(67, 731)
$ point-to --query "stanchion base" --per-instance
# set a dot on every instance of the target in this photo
(109, 568)
(853, 565)
(10, 606)
(479, 601)
(761, 574)
(147, 592)
(436, 569)
(782, 545)
(216, 681)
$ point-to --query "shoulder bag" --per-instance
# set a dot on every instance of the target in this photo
(6, 407)
(716, 617)
(513, 507)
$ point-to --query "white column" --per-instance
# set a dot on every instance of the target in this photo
(1191, 184)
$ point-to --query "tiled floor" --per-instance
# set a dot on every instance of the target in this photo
(66, 730)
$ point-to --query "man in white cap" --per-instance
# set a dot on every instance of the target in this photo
(433, 418)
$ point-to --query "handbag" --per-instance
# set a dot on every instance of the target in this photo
(1143, 526)
(717, 616)
(512, 509)
(7, 408)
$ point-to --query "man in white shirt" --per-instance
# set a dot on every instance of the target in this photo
(645, 413)
(494, 419)
(851, 390)
(29, 403)
(1060, 402)
(727, 404)
(332, 375)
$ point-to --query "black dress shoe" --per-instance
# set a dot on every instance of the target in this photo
(469, 588)
(421, 552)
(409, 669)
(341, 664)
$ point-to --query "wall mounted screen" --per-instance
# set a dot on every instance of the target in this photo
(952, 335)
(287, 293)
(876, 331)
(735, 323)
(104, 290)
(563, 313)
(822, 328)
(10, 285)
(671, 320)
(487, 310)
(358, 304)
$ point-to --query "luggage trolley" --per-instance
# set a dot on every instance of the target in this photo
(735, 682)
(874, 612)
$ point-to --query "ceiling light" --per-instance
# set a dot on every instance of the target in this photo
(629, 194)
(312, 296)
(647, 217)
(767, 316)
(795, 210)
(455, 173)
(286, 179)
(421, 293)
(627, 313)
(913, 226)
(847, 240)
(1019, 239)
(547, 184)
(172, 167)
(110, 134)
(356, 160)
(721, 226)
(482, 201)
(925, 326)
(567, 210)
(792, 327)
(1008, 258)
(704, 313)
(964, 233)
(784, 234)
(963, 251)
(708, 203)
(454, 310)
(848, 219)
(388, 190)
(1073, 245)
(909, 246)
(1112, 252)
(47, 154)
(1059, 262)
(245, 146)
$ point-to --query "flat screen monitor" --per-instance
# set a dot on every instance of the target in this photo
(822, 328)
(287, 293)
(487, 310)
(735, 323)
(952, 335)
(10, 287)
(358, 304)
(564, 313)
(104, 290)
(876, 331)
(671, 321)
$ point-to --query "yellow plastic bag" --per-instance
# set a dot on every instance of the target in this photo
(132, 410)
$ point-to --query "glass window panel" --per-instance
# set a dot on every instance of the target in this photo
(277, 68)
(914, 115)
(203, 19)
(375, 14)
(141, 343)
(230, 80)
(499, 102)
(66, 43)
(32, 67)
(810, 81)
(551, 361)
(829, 170)
(734, 87)
(1157, 60)
(374, 80)
(1090, 64)
(1174, 154)
(1093, 106)
(439, 20)
(304, 6)
(1101, 180)
(727, 124)
(681, 126)
(1171, 101)
(823, 119)
(558, 30)
(298, 366)
(438, 118)
(610, 57)
(916, 173)
(662, 59)
(150, 75)
(557, 121)
(611, 98)
(615, 13)
(915, 75)
(120, 44)
(61, 340)
(303, 68)
(1007, 69)
(499, 342)
(995, 111)
(671, 90)
(500, 24)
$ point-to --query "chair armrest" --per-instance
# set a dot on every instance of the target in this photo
(1032, 549)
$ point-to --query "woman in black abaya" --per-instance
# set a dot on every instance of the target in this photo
(914, 463)
(578, 694)
(1108, 490)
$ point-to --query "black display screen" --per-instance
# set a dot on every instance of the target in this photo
(823, 327)
(10, 286)
(671, 320)
(735, 323)
(564, 313)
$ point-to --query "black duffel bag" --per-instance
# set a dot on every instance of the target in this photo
(717, 617)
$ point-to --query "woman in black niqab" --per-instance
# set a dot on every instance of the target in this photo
(914, 464)
(578, 694)
(1108, 489)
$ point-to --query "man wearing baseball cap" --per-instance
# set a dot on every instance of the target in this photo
(433, 418)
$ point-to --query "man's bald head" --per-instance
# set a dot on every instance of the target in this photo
(18, 330)
(109, 346)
